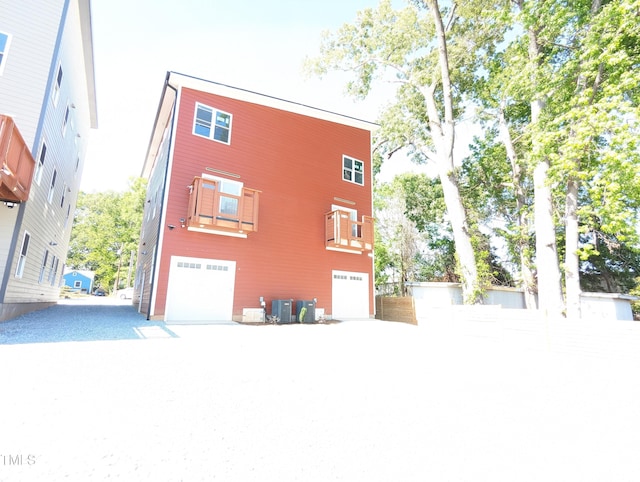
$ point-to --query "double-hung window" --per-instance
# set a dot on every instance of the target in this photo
(52, 186)
(43, 268)
(37, 176)
(212, 123)
(5, 39)
(65, 120)
(352, 170)
(23, 255)
(55, 94)
(53, 270)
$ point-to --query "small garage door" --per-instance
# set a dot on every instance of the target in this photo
(350, 295)
(200, 289)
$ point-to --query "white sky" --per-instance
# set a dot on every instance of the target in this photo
(251, 44)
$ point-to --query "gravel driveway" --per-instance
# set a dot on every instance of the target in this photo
(96, 392)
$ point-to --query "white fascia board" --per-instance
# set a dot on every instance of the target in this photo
(181, 80)
(87, 45)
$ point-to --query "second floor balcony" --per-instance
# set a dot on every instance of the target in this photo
(220, 209)
(16, 163)
(342, 233)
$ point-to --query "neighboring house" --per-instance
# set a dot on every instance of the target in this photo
(251, 197)
(47, 106)
(80, 281)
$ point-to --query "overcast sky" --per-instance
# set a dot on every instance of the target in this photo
(252, 44)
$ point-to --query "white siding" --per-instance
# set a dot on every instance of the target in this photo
(33, 26)
(30, 64)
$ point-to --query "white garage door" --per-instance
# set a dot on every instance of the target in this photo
(200, 289)
(350, 295)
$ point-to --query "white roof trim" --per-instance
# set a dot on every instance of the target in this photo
(178, 80)
(87, 46)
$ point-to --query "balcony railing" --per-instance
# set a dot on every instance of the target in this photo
(17, 164)
(211, 210)
(345, 234)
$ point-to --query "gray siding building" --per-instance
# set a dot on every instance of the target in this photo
(47, 90)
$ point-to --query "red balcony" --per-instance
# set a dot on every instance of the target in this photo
(345, 234)
(17, 163)
(215, 209)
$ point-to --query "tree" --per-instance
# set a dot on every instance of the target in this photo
(398, 241)
(587, 134)
(429, 49)
(575, 65)
(106, 231)
(562, 89)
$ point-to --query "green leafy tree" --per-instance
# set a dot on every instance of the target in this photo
(430, 51)
(575, 66)
(106, 231)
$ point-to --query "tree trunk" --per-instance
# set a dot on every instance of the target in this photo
(550, 300)
(526, 274)
(443, 133)
(572, 263)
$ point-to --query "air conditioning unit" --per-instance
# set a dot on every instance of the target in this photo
(306, 311)
(282, 309)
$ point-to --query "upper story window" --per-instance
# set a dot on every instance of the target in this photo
(37, 175)
(64, 192)
(65, 120)
(352, 170)
(55, 95)
(212, 123)
(52, 186)
(5, 40)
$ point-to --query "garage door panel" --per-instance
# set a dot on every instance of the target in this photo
(200, 289)
(350, 294)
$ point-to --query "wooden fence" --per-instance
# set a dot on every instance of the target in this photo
(396, 309)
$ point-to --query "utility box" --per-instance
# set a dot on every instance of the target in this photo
(282, 309)
(306, 311)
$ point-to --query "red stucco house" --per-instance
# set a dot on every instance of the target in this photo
(253, 198)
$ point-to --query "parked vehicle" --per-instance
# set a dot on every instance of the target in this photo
(125, 294)
(99, 292)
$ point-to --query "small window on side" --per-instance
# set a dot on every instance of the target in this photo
(37, 175)
(5, 40)
(55, 94)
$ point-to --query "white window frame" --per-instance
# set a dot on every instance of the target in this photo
(64, 192)
(65, 120)
(77, 284)
(52, 186)
(53, 270)
(353, 215)
(42, 155)
(227, 186)
(212, 127)
(66, 219)
(3, 53)
(349, 174)
(24, 251)
(57, 85)
(43, 268)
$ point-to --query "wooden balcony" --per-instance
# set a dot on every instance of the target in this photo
(214, 211)
(345, 234)
(17, 163)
